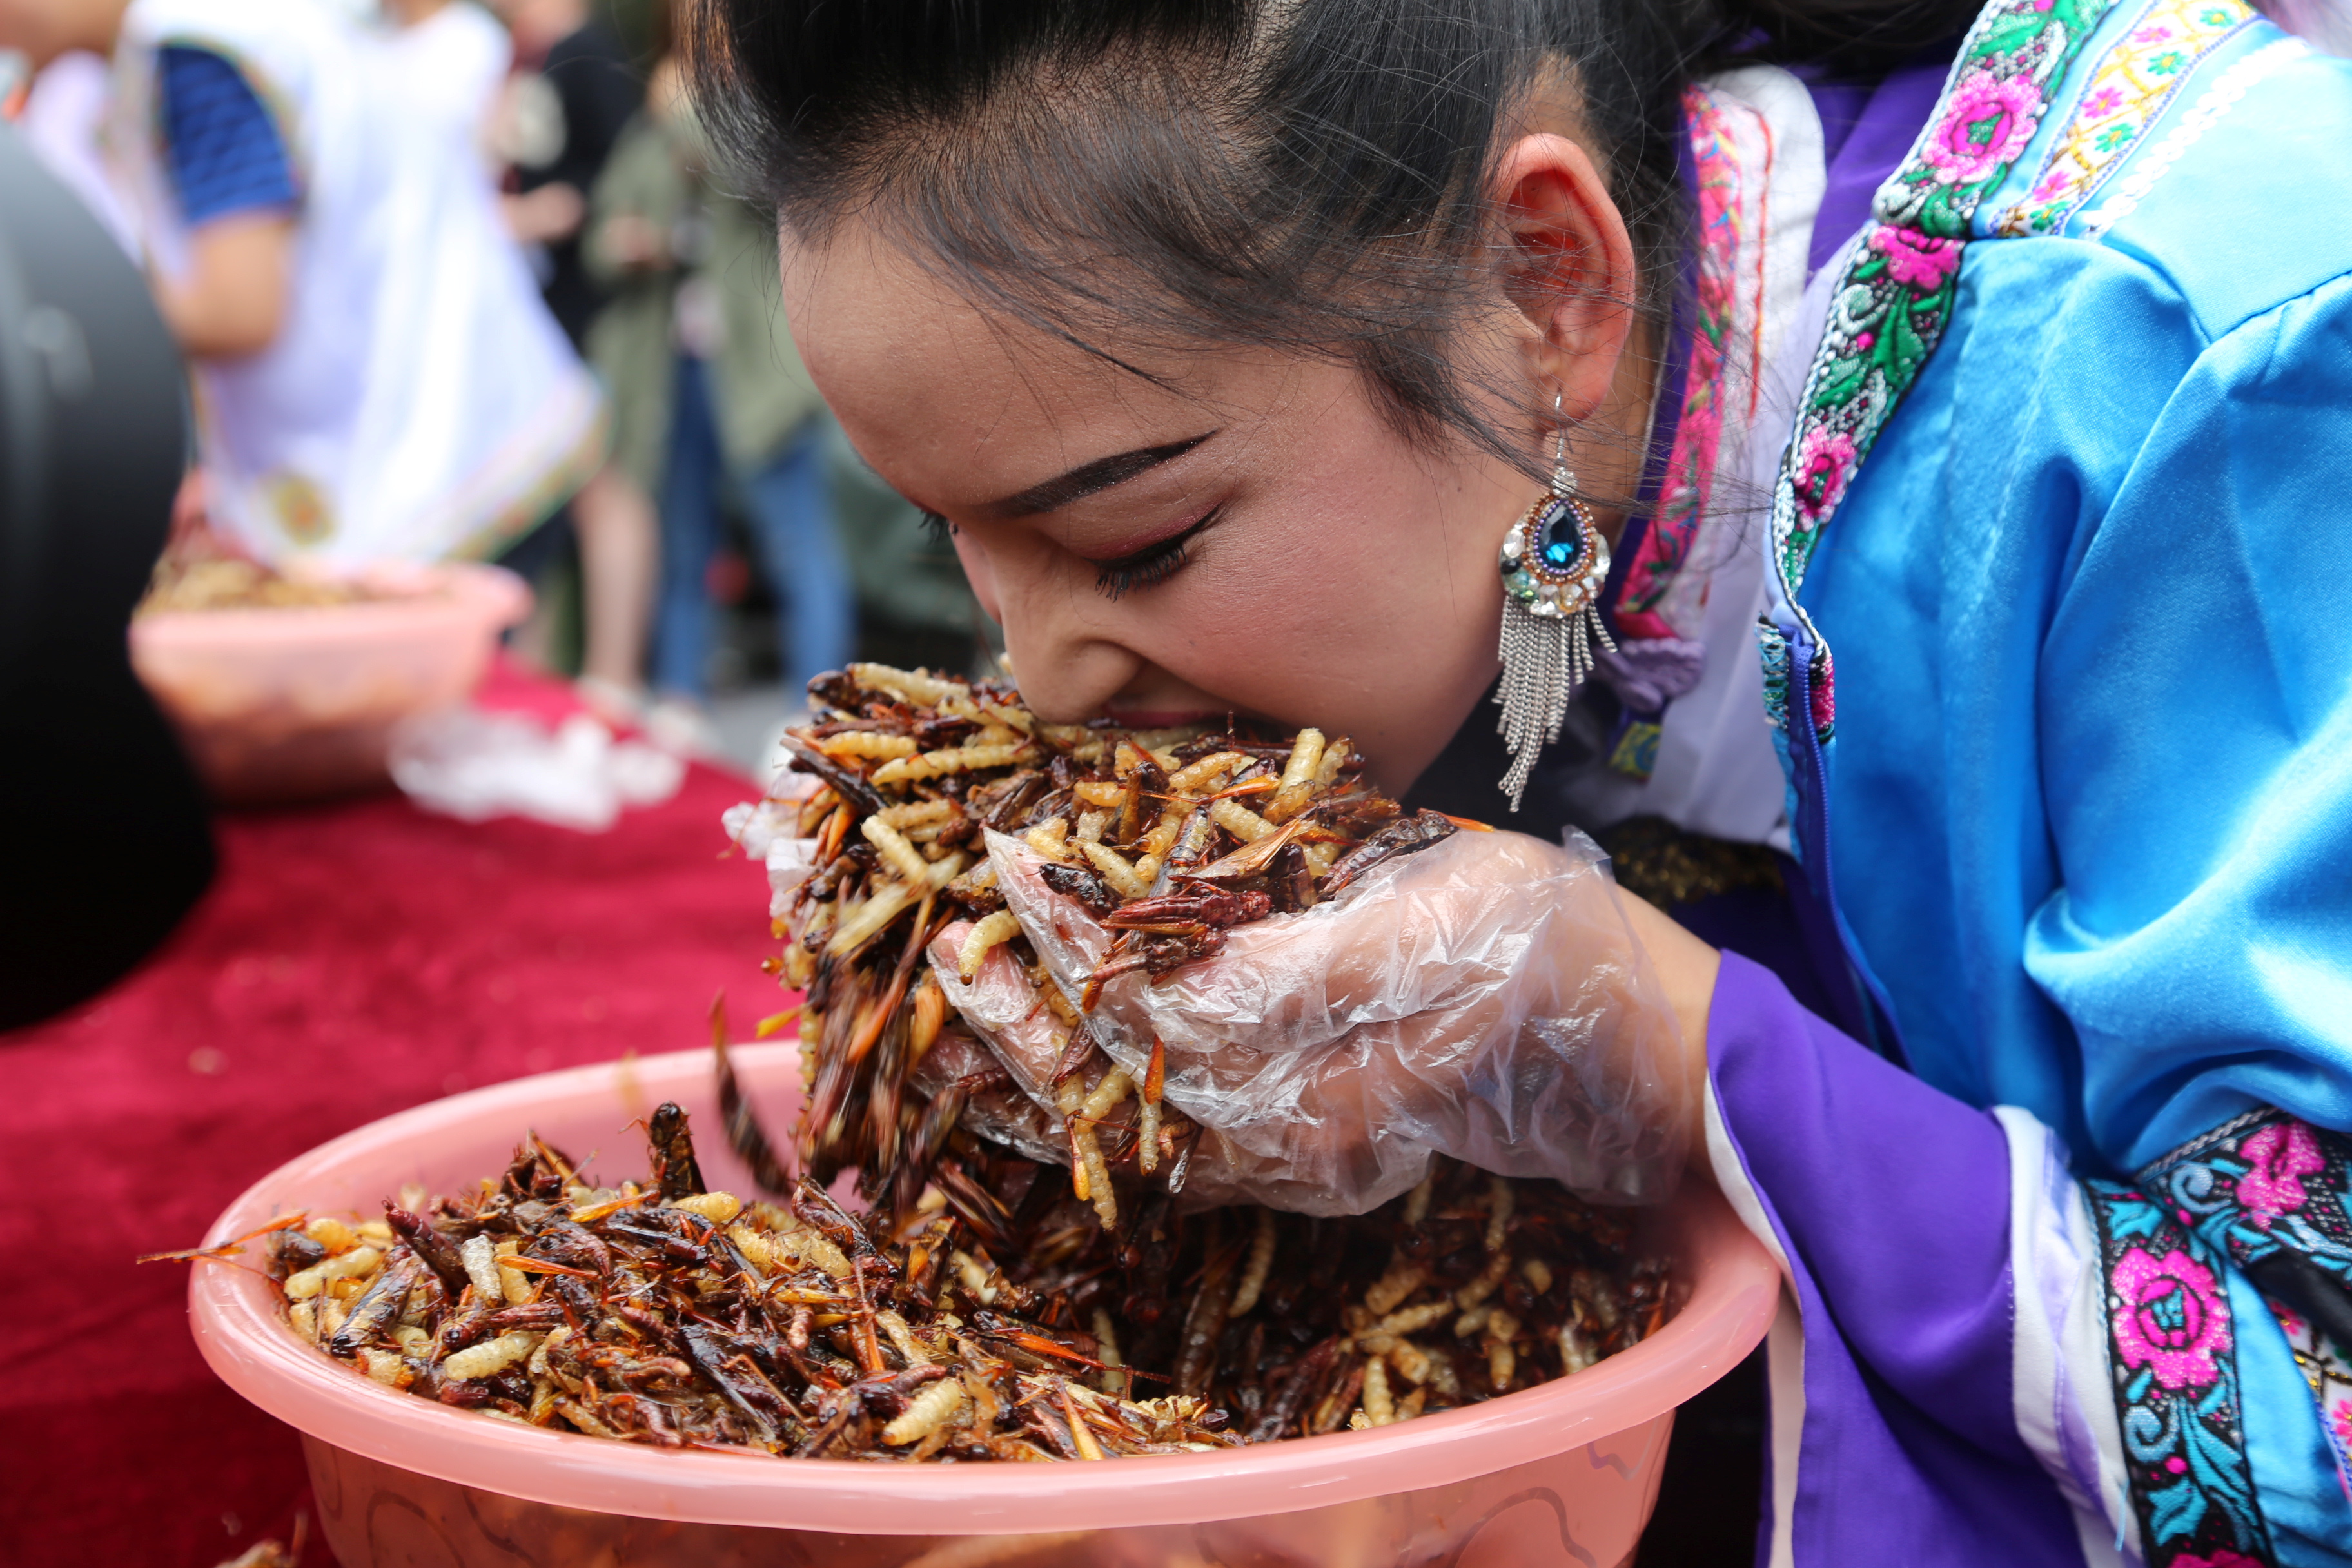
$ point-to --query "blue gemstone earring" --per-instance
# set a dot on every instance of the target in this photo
(1554, 564)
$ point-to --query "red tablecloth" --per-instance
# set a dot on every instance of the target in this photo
(349, 961)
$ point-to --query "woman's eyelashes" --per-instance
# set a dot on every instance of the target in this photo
(1152, 564)
(941, 530)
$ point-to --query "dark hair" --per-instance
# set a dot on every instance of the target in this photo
(1306, 174)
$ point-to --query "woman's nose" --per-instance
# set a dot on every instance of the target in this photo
(1066, 669)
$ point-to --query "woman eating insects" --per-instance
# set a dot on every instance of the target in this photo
(1288, 359)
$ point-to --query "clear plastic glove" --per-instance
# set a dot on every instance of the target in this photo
(1485, 998)
(999, 1111)
(999, 1005)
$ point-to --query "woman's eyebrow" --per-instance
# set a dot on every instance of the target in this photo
(1085, 479)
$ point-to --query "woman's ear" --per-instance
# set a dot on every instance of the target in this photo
(1569, 267)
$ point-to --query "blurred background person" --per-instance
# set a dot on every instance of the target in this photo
(453, 58)
(572, 90)
(711, 398)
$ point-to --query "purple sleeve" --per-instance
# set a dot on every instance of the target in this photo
(1889, 1201)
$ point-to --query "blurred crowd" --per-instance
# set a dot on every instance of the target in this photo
(466, 283)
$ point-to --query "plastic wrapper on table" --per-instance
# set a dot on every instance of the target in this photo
(474, 765)
(1483, 998)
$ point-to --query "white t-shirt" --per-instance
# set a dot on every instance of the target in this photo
(449, 69)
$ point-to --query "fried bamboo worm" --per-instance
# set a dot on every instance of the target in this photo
(901, 856)
(989, 931)
(1297, 783)
(1147, 1117)
(1253, 1273)
(1112, 1089)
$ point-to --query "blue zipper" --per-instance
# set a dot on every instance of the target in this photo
(1879, 1032)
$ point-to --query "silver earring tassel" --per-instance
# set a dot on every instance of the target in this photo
(1554, 564)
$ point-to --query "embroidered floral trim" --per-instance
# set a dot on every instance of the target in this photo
(1731, 153)
(2260, 1184)
(2226, 90)
(2132, 84)
(1988, 120)
(2328, 1369)
(2175, 1382)
(1896, 296)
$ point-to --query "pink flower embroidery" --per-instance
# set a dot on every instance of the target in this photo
(2222, 1558)
(2342, 1416)
(2282, 1154)
(1987, 124)
(2174, 1318)
(1915, 258)
(1824, 463)
(2102, 104)
(2055, 185)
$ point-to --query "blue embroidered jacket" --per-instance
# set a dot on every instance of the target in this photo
(2087, 804)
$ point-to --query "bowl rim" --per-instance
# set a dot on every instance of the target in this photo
(461, 591)
(233, 1313)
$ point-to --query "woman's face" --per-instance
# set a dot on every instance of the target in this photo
(1249, 537)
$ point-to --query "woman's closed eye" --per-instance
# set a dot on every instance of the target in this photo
(1153, 564)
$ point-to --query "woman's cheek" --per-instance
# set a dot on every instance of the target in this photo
(1248, 623)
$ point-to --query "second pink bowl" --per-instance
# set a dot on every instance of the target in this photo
(279, 705)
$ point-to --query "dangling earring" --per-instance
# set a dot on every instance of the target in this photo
(1554, 564)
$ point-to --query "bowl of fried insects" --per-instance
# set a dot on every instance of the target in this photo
(285, 685)
(972, 1306)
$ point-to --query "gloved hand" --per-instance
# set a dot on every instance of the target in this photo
(1486, 998)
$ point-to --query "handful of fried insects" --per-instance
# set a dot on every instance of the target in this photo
(1026, 1279)
(1169, 838)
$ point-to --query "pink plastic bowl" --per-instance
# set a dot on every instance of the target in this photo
(299, 704)
(1562, 1473)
